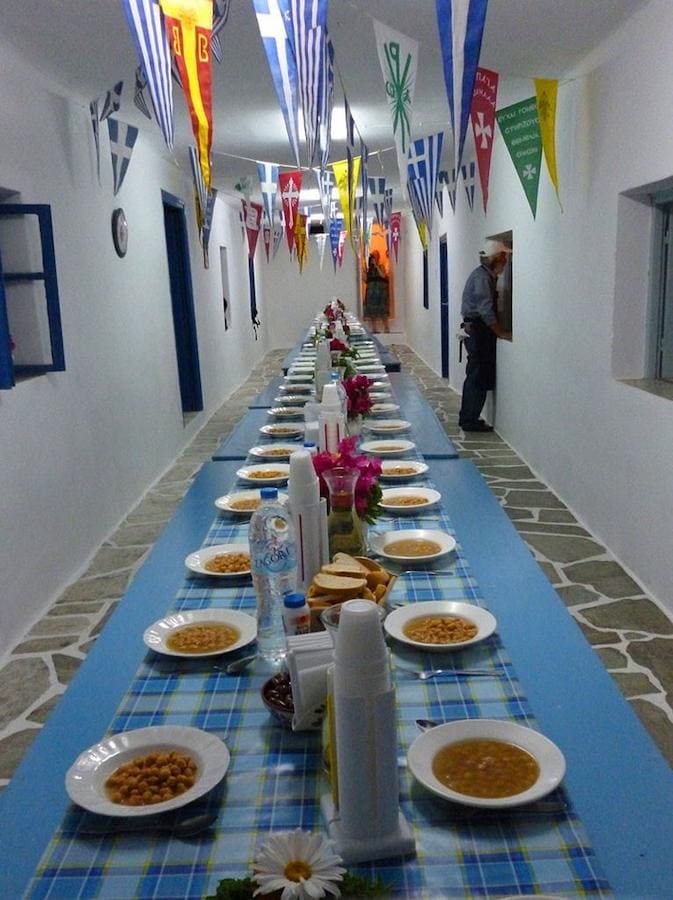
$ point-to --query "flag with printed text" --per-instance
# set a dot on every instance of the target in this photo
(482, 115)
(520, 129)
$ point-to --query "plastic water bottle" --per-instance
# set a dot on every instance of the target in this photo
(341, 391)
(273, 558)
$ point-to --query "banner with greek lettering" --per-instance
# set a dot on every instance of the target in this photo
(482, 115)
(546, 90)
(520, 129)
(290, 188)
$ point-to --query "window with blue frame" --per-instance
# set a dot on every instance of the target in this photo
(31, 339)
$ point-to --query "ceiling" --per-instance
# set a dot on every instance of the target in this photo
(86, 46)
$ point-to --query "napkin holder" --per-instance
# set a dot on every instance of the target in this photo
(309, 656)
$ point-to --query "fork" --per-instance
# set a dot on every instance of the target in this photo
(425, 674)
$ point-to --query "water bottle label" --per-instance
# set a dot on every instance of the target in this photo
(268, 556)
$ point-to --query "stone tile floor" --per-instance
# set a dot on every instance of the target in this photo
(629, 631)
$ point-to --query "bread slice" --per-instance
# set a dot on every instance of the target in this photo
(346, 564)
(324, 583)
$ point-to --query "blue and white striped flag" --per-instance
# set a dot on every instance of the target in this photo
(122, 141)
(309, 43)
(468, 170)
(461, 26)
(112, 101)
(377, 192)
(326, 182)
(93, 112)
(199, 188)
(364, 157)
(326, 105)
(350, 152)
(442, 179)
(220, 16)
(388, 205)
(151, 43)
(138, 93)
(271, 19)
(268, 183)
(451, 187)
(423, 167)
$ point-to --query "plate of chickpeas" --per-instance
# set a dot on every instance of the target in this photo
(221, 561)
(440, 625)
(201, 632)
(147, 770)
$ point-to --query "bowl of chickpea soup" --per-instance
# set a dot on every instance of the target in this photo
(221, 561)
(440, 625)
(201, 632)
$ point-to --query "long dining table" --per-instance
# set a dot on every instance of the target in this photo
(608, 831)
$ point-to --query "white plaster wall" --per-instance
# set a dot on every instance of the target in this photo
(78, 448)
(603, 446)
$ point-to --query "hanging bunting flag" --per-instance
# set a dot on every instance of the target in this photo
(268, 183)
(521, 131)
(190, 23)
(112, 101)
(482, 115)
(122, 141)
(415, 191)
(461, 25)
(300, 240)
(388, 204)
(468, 171)
(546, 91)
(252, 216)
(364, 156)
(200, 191)
(326, 182)
(321, 240)
(344, 187)
(207, 224)
(340, 248)
(139, 95)
(266, 234)
(451, 188)
(244, 186)
(271, 18)
(93, 112)
(308, 36)
(442, 179)
(335, 229)
(377, 192)
(151, 42)
(290, 188)
(395, 231)
(350, 156)
(220, 16)
(278, 232)
(254, 317)
(423, 168)
(398, 57)
(326, 105)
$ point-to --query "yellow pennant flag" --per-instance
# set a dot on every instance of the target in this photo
(340, 170)
(189, 24)
(300, 240)
(546, 90)
(423, 234)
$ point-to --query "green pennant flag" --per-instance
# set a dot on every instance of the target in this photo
(520, 129)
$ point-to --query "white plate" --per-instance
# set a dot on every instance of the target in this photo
(262, 452)
(85, 779)
(245, 473)
(300, 377)
(196, 561)
(156, 636)
(291, 400)
(295, 430)
(485, 622)
(387, 426)
(380, 383)
(370, 369)
(430, 496)
(387, 448)
(388, 469)
(225, 503)
(378, 396)
(385, 407)
(294, 388)
(301, 368)
(286, 412)
(446, 543)
(426, 746)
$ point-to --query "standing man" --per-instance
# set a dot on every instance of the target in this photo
(480, 321)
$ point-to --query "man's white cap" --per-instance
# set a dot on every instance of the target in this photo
(492, 248)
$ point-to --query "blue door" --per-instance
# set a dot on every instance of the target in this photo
(182, 302)
(444, 304)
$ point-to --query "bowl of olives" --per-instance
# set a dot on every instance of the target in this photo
(277, 697)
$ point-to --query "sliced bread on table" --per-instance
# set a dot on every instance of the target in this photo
(326, 583)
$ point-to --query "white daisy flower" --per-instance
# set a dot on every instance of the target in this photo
(302, 865)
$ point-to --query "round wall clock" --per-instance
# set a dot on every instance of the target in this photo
(120, 232)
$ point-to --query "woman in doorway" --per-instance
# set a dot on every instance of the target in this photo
(376, 293)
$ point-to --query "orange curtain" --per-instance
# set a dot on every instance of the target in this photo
(377, 241)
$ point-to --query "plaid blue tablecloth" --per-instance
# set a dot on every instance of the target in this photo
(275, 778)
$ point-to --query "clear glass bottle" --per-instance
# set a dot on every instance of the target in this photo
(344, 527)
(273, 560)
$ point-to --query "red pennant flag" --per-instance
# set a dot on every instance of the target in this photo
(290, 188)
(395, 230)
(482, 114)
(252, 216)
(266, 234)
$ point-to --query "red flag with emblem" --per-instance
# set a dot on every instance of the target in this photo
(266, 234)
(252, 217)
(290, 188)
(482, 115)
(395, 228)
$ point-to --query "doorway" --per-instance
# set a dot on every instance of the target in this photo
(182, 303)
(444, 304)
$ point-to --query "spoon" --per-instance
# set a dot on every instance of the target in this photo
(237, 665)
(424, 674)
(182, 828)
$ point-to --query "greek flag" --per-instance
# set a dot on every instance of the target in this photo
(309, 38)
(423, 168)
(416, 197)
(377, 191)
(138, 95)
(326, 182)
(271, 18)
(268, 182)
(149, 36)
(461, 25)
(364, 157)
(442, 179)
(467, 170)
(388, 204)
(199, 188)
(326, 104)
(112, 101)
(93, 112)
(350, 153)
(122, 141)
(220, 16)
(451, 187)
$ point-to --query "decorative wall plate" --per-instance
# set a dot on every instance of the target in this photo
(120, 232)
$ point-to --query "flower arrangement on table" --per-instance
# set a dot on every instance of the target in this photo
(298, 865)
(367, 489)
(359, 401)
(343, 356)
